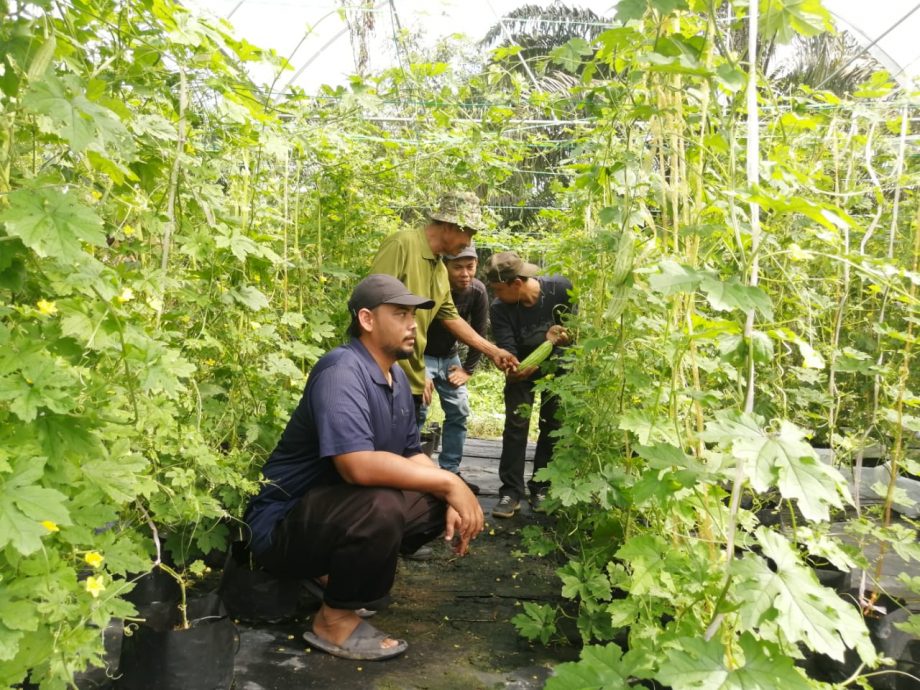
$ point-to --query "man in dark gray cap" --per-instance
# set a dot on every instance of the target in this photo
(348, 488)
(446, 373)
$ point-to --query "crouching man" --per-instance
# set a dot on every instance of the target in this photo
(348, 488)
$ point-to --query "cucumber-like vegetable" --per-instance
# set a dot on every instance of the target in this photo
(623, 261)
(536, 357)
(42, 59)
(618, 298)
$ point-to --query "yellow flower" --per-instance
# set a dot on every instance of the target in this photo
(46, 308)
(94, 585)
(128, 230)
(94, 558)
(50, 526)
(126, 295)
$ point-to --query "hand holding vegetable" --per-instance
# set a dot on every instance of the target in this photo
(557, 335)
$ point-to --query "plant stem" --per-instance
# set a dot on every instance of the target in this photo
(753, 175)
(173, 189)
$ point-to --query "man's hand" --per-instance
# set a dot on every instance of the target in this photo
(504, 360)
(458, 376)
(428, 392)
(464, 519)
(520, 374)
(557, 335)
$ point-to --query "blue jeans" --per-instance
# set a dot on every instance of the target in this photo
(456, 405)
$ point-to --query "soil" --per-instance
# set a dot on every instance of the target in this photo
(454, 612)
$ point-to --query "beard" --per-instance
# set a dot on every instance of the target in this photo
(401, 351)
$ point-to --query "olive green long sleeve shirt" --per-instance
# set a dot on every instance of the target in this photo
(407, 256)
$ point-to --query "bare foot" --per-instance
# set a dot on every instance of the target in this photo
(337, 625)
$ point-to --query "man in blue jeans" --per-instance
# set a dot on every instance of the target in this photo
(445, 373)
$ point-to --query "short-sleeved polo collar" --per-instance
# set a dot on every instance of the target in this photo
(370, 364)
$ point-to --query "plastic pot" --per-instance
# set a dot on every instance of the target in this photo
(155, 596)
(199, 657)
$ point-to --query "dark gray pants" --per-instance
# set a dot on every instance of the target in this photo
(353, 534)
(514, 438)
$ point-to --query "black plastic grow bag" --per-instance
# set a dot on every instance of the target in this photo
(168, 658)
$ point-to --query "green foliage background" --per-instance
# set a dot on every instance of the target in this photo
(177, 246)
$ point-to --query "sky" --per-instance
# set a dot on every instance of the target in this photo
(313, 34)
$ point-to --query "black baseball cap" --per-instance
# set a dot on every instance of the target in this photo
(380, 288)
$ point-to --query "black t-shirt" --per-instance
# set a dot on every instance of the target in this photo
(473, 305)
(521, 329)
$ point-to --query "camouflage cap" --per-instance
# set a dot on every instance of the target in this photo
(459, 208)
(504, 267)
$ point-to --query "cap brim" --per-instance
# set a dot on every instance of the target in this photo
(410, 300)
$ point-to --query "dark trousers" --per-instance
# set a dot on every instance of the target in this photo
(514, 438)
(353, 534)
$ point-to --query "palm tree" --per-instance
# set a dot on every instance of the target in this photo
(538, 31)
(834, 62)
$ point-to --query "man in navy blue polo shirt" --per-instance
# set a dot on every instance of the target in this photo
(348, 487)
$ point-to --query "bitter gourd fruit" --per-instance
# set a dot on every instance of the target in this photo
(536, 357)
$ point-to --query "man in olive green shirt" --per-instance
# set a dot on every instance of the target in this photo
(413, 256)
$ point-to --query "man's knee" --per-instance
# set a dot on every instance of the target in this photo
(458, 409)
(385, 507)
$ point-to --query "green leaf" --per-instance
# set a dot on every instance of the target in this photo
(41, 382)
(63, 109)
(697, 663)
(647, 563)
(90, 324)
(782, 459)
(783, 19)
(794, 600)
(250, 296)
(569, 55)
(668, 6)
(878, 85)
(118, 478)
(725, 296)
(786, 460)
(675, 278)
(911, 625)
(584, 581)
(730, 77)
(52, 223)
(646, 428)
(630, 9)
(538, 622)
(9, 647)
(24, 505)
(598, 667)
(18, 614)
